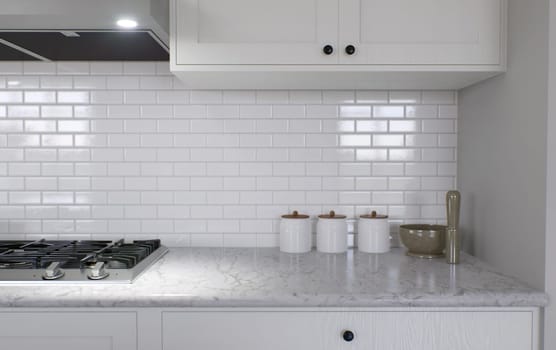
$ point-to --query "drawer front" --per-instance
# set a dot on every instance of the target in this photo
(68, 330)
(252, 330)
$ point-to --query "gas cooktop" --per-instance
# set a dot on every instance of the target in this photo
(76, 261)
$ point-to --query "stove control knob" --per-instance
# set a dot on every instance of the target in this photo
(97, 272)
(53, 272)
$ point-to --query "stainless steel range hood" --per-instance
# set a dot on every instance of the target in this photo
(83, 30)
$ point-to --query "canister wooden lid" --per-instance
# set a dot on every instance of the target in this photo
(374, 215)
(332, 215)
(295, 215)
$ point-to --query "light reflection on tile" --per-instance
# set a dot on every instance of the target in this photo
(355, 140)
(372, 154)
(355, 111)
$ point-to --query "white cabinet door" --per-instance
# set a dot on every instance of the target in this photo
(250, 32)
(68, 331)
(388, 330)
(422, 32)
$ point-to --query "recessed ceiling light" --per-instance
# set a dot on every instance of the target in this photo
(127, 23)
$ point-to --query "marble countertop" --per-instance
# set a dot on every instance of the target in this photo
(248, 277)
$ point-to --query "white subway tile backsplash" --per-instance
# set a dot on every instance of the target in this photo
(13, 125)
(40, 155)
(56, 111)
(355, 140)
(338, 155)
(371, 97)
(40, 97)
(139, 68)
(354, 169)
(72, 68)
(387, 197)
(355, 111)
(405, 97)
(439, 97)
(139, 97)
(24, 169)
(371, 183)
(11, 96)
(39, 68)
(56, 82)
(421, 111)
(388, 169)
(439, 126)
(106, 68)
(11, 155)
(206, 97)
(11, 68)
(288, 111)
(159, 83)
(421, 140)
(90, 111)
(89, 82)
(124, 149)
(438, 154)
(388, 111)
(338, 97)
(388, 140)
(239, 97)
(23, 141)
(19, 82)
(450, 112)
(23, 111)
(306, 96)
(173, 97)
(272, 97)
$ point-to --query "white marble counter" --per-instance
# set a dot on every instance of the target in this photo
(211, 277)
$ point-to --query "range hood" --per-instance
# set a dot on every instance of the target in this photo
(83, 30)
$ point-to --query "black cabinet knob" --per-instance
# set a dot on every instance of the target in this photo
(348, 336)
(350, 49)
(328, 50)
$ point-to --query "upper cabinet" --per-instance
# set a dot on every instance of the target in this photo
(421, 32)
(292, 44)
(255, 31)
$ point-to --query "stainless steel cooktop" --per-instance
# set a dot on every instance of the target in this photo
(53, 261)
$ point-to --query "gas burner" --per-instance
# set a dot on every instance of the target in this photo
(71, 261)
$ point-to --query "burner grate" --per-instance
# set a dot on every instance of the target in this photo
(74, 254)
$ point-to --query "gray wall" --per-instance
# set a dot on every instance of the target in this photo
(550, 273)
(502, 152)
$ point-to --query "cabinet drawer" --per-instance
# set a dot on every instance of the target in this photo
(68, 330)
(386, 330)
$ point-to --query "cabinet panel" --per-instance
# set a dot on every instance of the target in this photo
(452, 330)
(254, 31)
(390, 32)
(470, 330)
(68, 331)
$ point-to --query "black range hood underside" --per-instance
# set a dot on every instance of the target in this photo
(75, 45)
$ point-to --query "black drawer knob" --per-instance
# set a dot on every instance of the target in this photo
(328, 50)
(348, 336)
(350, 49)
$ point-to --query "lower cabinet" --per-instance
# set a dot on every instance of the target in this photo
(501, 328)
(50, 330)
(391, 330)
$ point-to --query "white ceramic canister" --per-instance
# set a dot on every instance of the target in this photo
(295, 233)
(373, 233)
(332, 233)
